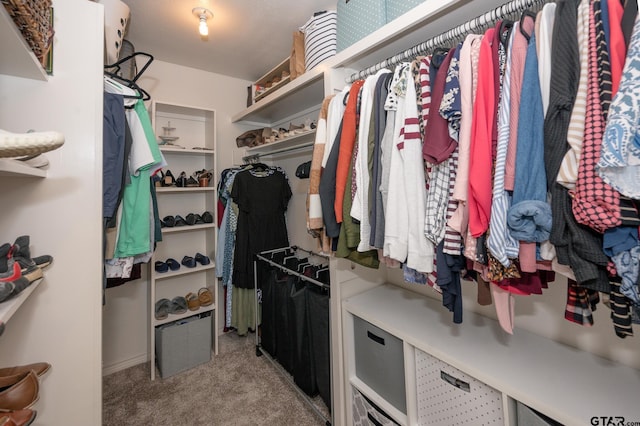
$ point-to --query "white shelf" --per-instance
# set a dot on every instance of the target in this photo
(299, 140)
(301, 94)
(183, 271)
(185, 151)
(11, 306)
(15, 168)
(187, 228)
(541, 373)
(196, 128)
(186, 190)
(272, 88)
(17, 57)
(174, 317)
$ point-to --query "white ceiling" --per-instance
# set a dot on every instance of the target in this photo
(246, 39)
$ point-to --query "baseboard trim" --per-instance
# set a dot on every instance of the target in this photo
(122, 365)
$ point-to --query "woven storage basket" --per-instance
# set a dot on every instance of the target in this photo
(33, 19)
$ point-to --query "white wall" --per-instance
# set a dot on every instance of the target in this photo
(61, 321)
(125, 319)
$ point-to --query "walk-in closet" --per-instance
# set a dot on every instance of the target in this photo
(339, 212)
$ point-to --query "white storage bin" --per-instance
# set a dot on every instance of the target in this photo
(366, 413)
(446, 396)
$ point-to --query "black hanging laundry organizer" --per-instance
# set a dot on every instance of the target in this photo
(292, 287)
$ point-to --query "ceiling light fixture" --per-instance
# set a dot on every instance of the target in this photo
(203, 15)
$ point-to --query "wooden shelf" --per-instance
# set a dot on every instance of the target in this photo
(17, 57)
(11, 306)
(15, 168)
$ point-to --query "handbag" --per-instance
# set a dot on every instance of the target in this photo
(254, 137)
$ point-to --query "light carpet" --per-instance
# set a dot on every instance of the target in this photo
(234, 388)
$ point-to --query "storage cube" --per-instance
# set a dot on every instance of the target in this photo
(319, 38)
(396, 8)
(366, 413)
(380, 362)
(529, 417)
(358, 18)
(183, 344)
(447, 396)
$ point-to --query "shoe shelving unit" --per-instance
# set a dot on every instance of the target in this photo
(11, 306)
(194, 128)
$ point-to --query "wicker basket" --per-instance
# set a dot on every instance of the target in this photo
(33, 19)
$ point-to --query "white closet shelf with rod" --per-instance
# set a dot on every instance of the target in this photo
(255, 157)
(461, 30)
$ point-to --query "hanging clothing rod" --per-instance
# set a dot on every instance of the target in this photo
(249, 158)
(292, 272)
(452, 34)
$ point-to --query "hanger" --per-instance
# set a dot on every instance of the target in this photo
(505, 28)
(113, 81)
(524, 15)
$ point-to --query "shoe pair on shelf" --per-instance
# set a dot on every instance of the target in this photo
(18, 269)
(190, 219)
(188, 261)
(19, 391)
(202, 299)
(176, 306)
(167, 179)
(179, 304)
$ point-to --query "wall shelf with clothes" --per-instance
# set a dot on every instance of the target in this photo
(183, 283)
(555, 307)
(441, 367)
(15, 168)
(292, 287)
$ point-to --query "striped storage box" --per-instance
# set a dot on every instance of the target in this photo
(319, 38)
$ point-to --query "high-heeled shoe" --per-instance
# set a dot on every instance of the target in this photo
(168, 179)
(181, 181)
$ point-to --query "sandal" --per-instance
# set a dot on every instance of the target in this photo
(178, 305)
(202, 259)
(193, 302)
(161, 266)
(172, 264)
(179, 221)
(207, 217)
(162, 309)
(205, 296)
(189, 262)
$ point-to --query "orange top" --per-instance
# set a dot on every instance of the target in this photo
(347, 141)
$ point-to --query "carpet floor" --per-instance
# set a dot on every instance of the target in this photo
(234, 388)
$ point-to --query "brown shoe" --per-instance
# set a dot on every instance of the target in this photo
(39, 368)
(17, 418)
(22, 394)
